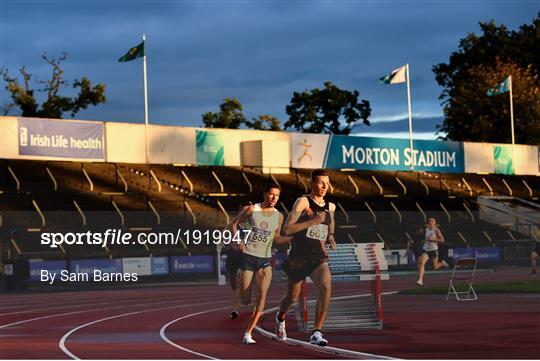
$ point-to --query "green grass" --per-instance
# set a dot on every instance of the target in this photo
(529, 286)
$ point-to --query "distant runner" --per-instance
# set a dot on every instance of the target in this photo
(432, 238)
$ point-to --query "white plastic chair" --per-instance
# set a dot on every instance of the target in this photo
(464, 271)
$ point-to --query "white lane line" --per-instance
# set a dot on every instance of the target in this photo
(70, 305)
(326, 349)
(162, 330)
(63, 296)
(166, 339)
(83, 311)
(62, 343)
(64, 307)
(82, 295)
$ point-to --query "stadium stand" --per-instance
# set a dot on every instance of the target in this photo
(371, 205)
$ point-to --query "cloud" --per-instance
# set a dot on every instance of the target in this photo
(260, 52)
(420, 125)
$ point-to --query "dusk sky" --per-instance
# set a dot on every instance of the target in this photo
(200, 52)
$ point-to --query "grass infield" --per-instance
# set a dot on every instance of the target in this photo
(529, 286)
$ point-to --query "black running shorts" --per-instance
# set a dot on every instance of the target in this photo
(252, 263)
(298, 269)
(432, 254)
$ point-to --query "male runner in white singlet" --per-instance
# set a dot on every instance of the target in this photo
(265, 222)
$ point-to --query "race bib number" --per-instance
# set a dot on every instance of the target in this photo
(260, 235)
(318, 232)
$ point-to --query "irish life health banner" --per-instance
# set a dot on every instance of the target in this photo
(64, 139)
(394, 154)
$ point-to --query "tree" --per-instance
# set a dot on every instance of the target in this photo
(229, 116)
(24, 96)
(479, 63)
(489, 117)
(324, 110)
(264, 122)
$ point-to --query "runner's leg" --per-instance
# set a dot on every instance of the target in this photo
(323, 280)
(263, 277)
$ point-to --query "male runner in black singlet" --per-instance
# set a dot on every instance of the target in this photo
(311, 223)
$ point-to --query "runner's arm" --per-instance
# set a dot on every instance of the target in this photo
(244, 214)
(291, 226)
(278, 238)
(332, 227)
(438, 236)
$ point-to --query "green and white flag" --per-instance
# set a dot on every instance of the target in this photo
(133, 53)
(502, 87)
(395, 77)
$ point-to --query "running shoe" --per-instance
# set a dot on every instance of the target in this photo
(234, 314)
(317, 339)
(420, 283)
(280, 328)
(444, 263)
(248, 340)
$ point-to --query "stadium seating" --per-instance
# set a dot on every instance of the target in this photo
(371, 205)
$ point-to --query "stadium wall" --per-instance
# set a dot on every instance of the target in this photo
(27, 138)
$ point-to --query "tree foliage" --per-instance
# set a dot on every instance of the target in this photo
(230, 115)
(24, 96)
(264, 122)
(328, 110)
(480, 62)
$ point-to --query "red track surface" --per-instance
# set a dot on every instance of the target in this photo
(126, 324)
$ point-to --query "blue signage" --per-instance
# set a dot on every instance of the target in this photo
(57, 138)
(160, 266)
(52, 267)
(482, 254)
(368, 153)
(103, 265)
(192, 264)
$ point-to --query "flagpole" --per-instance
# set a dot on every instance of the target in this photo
(512, 120)
(145, 99)
(410, 115)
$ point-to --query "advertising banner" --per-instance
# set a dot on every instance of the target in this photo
(308, 150)
(502, 154)
(52, 267)
(192, 264)
(160, 266)
(58, 138)
(482, 254)
(396, 257)
(365, 153)
(138, 265)
(103, 265)
(210, 148)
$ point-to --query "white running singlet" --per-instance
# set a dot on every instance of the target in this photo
(263, 229)
(428, 245)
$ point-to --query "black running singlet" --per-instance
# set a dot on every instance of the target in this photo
(309, 244)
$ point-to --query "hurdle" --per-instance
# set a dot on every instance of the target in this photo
(350, 262)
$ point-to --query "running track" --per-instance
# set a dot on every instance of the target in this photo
(191, 322)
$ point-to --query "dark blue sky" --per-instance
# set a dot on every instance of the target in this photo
(200, 52)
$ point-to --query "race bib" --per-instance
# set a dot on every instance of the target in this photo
(260, 235)
(318, 232)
